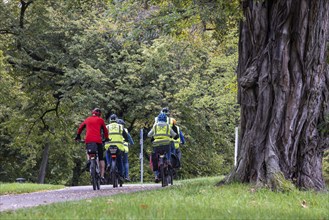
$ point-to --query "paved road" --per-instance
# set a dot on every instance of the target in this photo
(12, 202)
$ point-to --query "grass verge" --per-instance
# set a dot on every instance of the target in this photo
(190, 199)
(18, 188)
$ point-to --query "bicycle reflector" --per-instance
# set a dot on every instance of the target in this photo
(92, 156)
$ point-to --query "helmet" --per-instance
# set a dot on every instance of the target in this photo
(121, 122)
(113, 117)
(165, 110)
(97, 112)
(162, 117)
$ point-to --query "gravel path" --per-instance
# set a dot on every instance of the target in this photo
(13, 202)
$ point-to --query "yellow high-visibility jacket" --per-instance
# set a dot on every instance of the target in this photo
(115, 135)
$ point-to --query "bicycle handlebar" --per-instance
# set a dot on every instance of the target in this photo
(80, 141)
(83, 141)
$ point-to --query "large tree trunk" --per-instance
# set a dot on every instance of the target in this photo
(43, 165)
(77, 171)
(283, 83)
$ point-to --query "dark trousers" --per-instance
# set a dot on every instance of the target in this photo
(126, 165)
(160, 150)
(118, 158)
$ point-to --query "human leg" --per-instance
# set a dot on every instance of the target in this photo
(100, 150)
(171, 151)
(108, 158)
(154, 161)
(126, 166)
(179, 153)
(120, 162)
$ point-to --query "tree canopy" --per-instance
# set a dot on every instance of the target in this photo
(61, 59)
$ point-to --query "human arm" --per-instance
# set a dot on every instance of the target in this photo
(151, 133)
(105, 130)
(130, 140)
(174, 127)
(125, 135)
(80, 129)
(173, 134)
(181, 136)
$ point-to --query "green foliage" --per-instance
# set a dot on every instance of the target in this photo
(71, 56)
(325, 167)
(280, 184)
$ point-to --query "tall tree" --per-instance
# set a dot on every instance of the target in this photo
(283, 82)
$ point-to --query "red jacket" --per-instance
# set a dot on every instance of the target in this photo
(93, 125)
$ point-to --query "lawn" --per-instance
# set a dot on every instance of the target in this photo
(189, 199)
(17, 188)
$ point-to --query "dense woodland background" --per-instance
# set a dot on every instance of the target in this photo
(60, 59)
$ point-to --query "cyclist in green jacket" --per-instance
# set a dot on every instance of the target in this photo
(118, 136)
(161, 134)
(126, 151)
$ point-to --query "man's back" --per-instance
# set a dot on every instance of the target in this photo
(93, 125)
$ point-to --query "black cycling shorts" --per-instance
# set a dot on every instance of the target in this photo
(162, 149)
(100, 149)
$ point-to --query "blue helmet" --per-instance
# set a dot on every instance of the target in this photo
(113, 117)
(162, 117)
(165, 110)
(121, 122)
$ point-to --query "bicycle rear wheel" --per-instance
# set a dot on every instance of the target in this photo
(114, 173)
(170, 176)
(98, 183)
(163, 176)
(93, 174)
(98, 177)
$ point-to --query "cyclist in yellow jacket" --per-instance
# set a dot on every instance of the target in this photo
(118, 136)
(162, 135)
(166, 111)
(180, 140)
(127, 145)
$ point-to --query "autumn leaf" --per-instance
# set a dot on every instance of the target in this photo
(303, 204)
(109, 201)
(143, 206)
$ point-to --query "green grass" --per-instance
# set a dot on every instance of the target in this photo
(17, 188)
(191, 199)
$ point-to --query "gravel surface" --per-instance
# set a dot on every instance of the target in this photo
(13, 202)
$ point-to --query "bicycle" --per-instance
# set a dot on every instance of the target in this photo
(164, 167)
(94, 170)
(114, 175)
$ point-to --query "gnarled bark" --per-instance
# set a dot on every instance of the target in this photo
(283, 83)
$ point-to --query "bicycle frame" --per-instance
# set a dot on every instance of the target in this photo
(94, 169)
(164, 168)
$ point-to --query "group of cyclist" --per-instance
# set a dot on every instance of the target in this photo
(164, 134)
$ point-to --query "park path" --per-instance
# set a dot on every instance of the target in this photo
(13, 202)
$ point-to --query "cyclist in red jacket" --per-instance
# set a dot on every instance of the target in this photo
(94, 125)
